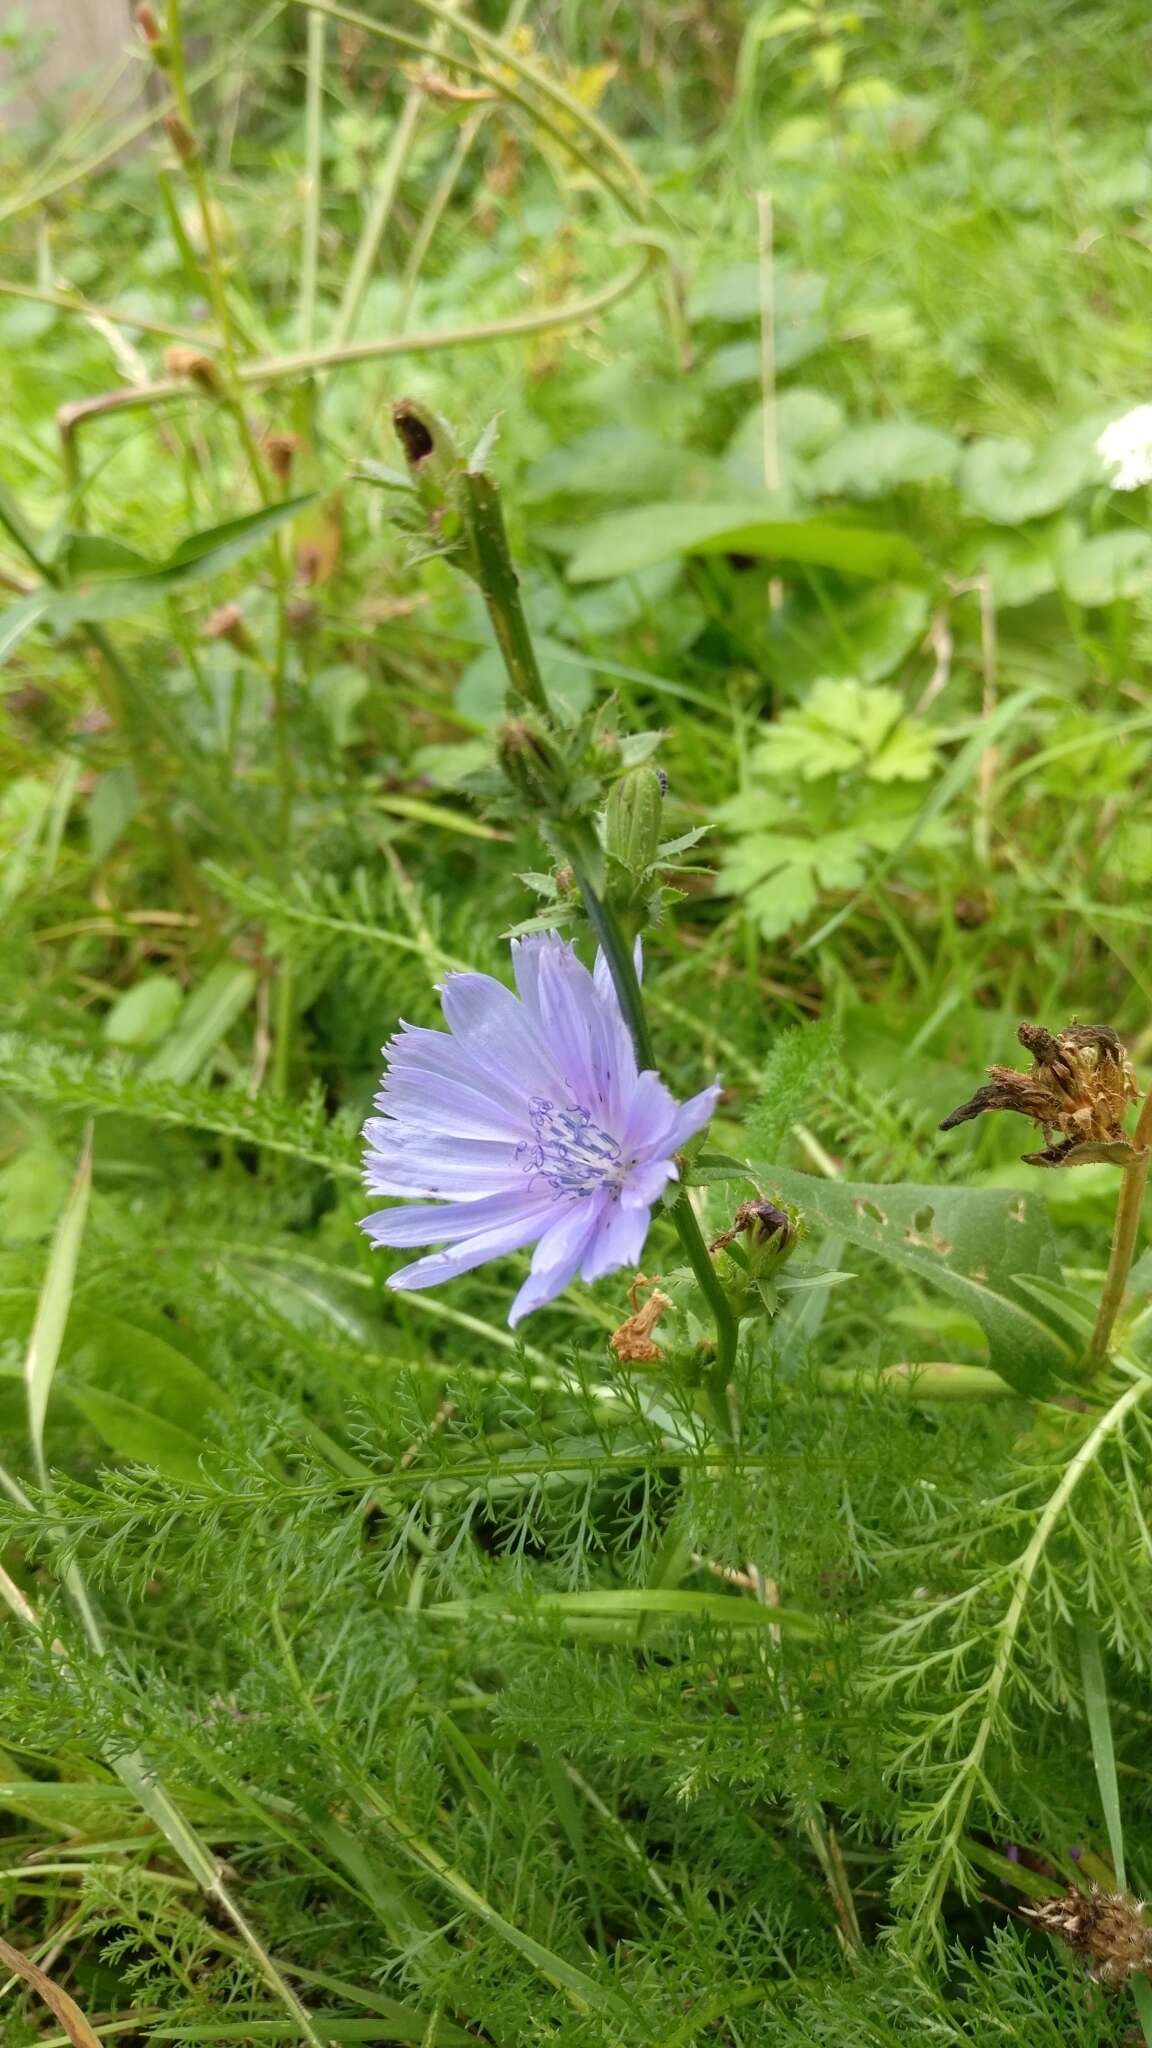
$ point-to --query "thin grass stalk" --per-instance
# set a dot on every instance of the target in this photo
(279, 369)
(634, 196)
(446, 184)
(313, 176)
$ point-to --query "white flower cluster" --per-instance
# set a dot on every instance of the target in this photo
(1125, 448)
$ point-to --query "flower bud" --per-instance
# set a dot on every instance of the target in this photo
(532, 765)
(183, 141)
(634, 821)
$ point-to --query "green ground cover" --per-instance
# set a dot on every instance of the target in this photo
(374, 1672)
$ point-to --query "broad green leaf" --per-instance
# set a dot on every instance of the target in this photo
(652, 533)
(482, 691)
(867, 461)
(148, 1400)
(734, 295)
(209, 1015)
(96, 554)
(136, 1433)
(199, 557)
(1108, 566)
(55, 1301)
(144, 1013)
(1022, 566)
(801, 422)
(972, 1243)
(19, 619)
(1007, 481)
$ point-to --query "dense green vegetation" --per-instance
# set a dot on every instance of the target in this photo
(372, 1671)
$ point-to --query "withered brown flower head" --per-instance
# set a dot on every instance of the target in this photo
(1078, 1091)
(1107, 1929)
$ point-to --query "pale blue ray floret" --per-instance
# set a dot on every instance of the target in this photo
(526, 1122)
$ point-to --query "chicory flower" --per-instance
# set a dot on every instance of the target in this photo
(526, 1122)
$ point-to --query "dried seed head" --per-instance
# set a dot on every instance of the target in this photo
(1107, 1929)
(228, 624)
(280, 450)
(633, 1342)
(1078, 1092)
(182, 361)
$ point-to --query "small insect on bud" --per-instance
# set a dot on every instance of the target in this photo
(1107, 1929)
(182, 361)
(634, 820)
(761, 1240)
(183, 141)
(1078, 1092)
(532, 765)
(228, 624)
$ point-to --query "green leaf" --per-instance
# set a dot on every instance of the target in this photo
(867, 461)
(845, 726)
(1008, 481)
(797, 1066)
(1110, 565)
(19, 619)
(55, 1301)
(200, 556)
(95, 554)
(137, 1434)
(209, 1015)
(631, 540)
(144, 1013)
(972, 1243)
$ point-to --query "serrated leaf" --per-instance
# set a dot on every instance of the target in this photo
(972, 1243)
(847, 726)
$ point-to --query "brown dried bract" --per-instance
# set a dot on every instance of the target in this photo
(1107, 1929)
(632, 1342)
(1078, 1092)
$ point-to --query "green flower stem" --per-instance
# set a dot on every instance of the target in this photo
(491, 565)
(932, 1380)
(500, 586)
(584, 855)
(1125, 1231)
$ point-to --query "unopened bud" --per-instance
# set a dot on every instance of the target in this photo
(281, 450)
(182, 361)
(228, 624)
(533, 766)
(152, 33)
(634, 821)
(181, 138)
(767, 1236)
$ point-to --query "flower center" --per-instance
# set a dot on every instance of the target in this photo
(572, 1153)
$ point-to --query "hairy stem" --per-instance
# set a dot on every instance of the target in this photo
(1125, 1230)
(500, 588)
(584, 857)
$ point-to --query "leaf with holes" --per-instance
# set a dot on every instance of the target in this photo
(978, 1245)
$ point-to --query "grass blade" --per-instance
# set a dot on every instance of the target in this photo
(55, 1302)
